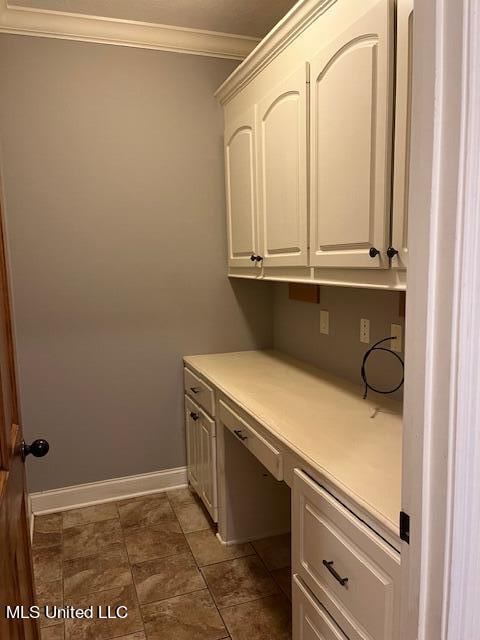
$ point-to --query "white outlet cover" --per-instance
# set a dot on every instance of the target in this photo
(324, 322)
(365, 330)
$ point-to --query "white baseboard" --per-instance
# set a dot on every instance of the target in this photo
(84, 495)
(267, 534)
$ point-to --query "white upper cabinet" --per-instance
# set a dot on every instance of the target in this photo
(402, 134)
(351, 107)
(241, 190)
(282, 172)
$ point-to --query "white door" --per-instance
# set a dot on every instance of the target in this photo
(282, 163)
(208, 482)
(402, 134)
(241, 190)
(351, 109)
(193, 447)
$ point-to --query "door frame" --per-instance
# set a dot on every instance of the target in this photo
(441, 480)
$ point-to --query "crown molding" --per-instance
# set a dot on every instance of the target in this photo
(127, 33)
(299, 18)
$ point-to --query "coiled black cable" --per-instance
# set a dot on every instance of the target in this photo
(368, 353)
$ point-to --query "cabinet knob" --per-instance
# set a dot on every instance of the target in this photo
(391, 252)
(258, 258)
(253, 257)
(373, 252)
(194, 416)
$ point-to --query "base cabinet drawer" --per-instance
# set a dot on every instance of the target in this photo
(202, 455)
(196, 388)
(350, 570)
(260, 447)
(310, 620)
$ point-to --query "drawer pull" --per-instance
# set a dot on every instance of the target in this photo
(194, 416)
(195, 389)
(240, 435)
(338, 578)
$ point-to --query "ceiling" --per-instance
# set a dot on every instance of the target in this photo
(243, 17)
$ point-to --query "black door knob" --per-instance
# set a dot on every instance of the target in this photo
(38, 448)
(391, 252)
(373, 252)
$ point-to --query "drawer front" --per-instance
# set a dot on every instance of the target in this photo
(350, 569)
(199, 390)
(310, 619)
(259, 446)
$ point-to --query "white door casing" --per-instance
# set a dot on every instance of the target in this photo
(351, 126)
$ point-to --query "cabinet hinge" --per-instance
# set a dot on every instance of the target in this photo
(405, 527)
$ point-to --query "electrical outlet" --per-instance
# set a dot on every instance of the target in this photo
(324, 322)
(365, 330)
(396, 333)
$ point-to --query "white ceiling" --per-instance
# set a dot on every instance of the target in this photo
(244, 17)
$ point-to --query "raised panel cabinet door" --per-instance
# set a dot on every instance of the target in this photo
(193, 448)
(240, 176)
(282, 169)
(351, 102)
(208, 470)
(401, 160)
(310, 621)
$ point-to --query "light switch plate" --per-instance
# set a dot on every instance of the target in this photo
(396, 333)
(365, 330)
(324, 322)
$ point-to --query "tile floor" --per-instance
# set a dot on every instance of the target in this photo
(159, 556)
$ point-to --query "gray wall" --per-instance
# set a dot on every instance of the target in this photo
(113, 173)
(297, 331)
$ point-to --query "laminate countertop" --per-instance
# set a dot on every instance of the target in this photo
(356, 444)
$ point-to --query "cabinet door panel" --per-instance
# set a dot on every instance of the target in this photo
(208, 470)
(351, 112)
(282, 161)
(193, 450)
(241, 190)
(402, 132)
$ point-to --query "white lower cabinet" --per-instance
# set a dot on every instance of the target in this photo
(202, 455)
(352, 572)
(310, 621)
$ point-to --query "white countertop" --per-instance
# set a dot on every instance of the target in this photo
(323, 419)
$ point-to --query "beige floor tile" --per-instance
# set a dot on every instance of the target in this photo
(283, 577)
(47, 564)
(95, 513)
(143, 512)
(189, 617)
(47, 530)
(96, 573)
(97, 629)
(207, 549)
(155, 542)
(179, 497)
(264, 619)
(192, 517)
(51, 594)
(56, 632)
(275, 551)
(90, 539)
(167, 577)
(238, 581)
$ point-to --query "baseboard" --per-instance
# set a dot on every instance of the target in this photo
(84, 495)
(267, 534)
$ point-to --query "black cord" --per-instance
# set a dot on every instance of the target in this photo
(364, 373)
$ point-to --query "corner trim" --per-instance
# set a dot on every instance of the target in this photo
(127, 33)
(83, 495)
(297, 20)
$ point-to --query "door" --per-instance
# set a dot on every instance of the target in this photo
(16, 577)
(282, 163)
(351, 111)
(208, 467)
(241, 191)
(402, 134)
(192, 418)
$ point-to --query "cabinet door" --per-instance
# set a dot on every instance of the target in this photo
(282, 163)
(310, 620)
(402, 132)
(351, 109)
(193, 448)
(208, 472)
(241, 190)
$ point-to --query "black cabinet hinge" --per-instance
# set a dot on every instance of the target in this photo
(405, 527)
